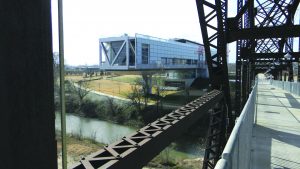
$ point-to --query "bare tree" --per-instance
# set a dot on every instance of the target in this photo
(112, 106)
(160, 91)
(136, 96)
(80, 88)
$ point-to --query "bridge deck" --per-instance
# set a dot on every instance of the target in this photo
(276, 134)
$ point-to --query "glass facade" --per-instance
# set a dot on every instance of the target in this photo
(115, 49)
(167, 53)
(144, 52)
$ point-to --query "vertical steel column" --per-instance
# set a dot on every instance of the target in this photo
(62, 84)
(290, 42)
(251, 17)
(290, 71)
(238, 72)
(298, 78)
(244, 83)
(215, 142)
(214, 17)
(280, 75)
(27, 86)
(249, 79)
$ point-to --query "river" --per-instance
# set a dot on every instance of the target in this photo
(98, 130)
(108, 132)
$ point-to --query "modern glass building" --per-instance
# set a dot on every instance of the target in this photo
(150, 53)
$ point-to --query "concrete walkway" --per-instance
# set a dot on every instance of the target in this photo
(276, 135)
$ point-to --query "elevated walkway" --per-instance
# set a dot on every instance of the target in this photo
(267, 133)
(276, 134)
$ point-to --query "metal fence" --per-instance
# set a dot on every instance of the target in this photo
(292, 87)
(237, 152)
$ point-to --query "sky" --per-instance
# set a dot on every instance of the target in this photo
(85, 21)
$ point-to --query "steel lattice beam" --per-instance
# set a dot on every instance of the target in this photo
(238, 81)
(215, 142)
(213, 23)
(264, 33)
(136, 150)
(295, 55)
(213, 26)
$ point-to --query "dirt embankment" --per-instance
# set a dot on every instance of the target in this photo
(79, 148)
(76, 149)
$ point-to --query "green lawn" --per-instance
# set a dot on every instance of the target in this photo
(127, 78)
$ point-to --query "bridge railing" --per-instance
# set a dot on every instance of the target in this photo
(237, 152)
(292, 87)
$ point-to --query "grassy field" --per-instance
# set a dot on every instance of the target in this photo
(77, 78)
(107, 85)
(126, 78)
(117, 86)
(110, 87)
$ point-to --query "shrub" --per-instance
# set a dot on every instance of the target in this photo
(89, 108)
(101, 110)
(72, 104)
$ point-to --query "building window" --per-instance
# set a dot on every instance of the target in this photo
(164, 61)
(145, 53)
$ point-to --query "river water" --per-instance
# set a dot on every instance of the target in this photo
(98, 130)
(108, 132)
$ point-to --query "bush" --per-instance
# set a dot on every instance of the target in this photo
(72, 104)
(101, 110)
(89, 108)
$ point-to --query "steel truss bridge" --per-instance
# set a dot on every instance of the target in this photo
(264, 32)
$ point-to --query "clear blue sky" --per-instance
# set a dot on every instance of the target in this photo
(85, 21)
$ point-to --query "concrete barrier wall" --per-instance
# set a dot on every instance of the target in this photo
(292, 87)
(237, 152)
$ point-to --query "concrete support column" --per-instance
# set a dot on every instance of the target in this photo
(148, 82)
(27, 118)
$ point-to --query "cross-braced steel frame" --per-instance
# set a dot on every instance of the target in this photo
(213, 21)
(264, 31)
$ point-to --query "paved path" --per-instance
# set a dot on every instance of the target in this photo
(276, 135)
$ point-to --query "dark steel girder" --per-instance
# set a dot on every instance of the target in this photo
(137, 149)
(298, 78)
(269, 16)
(238, 23)
(215, 40)
(274, 60)
(243, 66)
(264, 33)
(295, 55)
(213, 24)
(279, 67)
